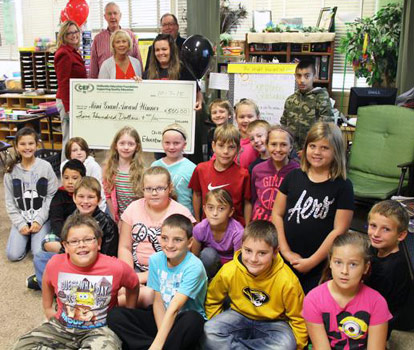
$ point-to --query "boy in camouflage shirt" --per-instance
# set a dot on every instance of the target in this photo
(307, 105)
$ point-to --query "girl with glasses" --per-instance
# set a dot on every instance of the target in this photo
(141, 226)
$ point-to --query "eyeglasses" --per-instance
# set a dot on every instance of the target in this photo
(72, 33)
(170, 24)
(158, 189)
(86, 241)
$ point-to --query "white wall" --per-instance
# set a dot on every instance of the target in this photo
(8, 67)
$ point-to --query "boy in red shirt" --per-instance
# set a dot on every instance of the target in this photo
(223, 172)
(86, 284)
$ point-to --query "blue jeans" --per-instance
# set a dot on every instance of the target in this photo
(231, 330)
(39, 261)
(211, 261)
(17, 244)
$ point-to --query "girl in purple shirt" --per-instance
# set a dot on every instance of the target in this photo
(218, 236)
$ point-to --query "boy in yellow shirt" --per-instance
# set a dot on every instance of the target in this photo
(266, 298)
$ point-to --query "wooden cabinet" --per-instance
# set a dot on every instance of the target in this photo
(38, 70)
(287, 47)
(55, 136)
(22, 102)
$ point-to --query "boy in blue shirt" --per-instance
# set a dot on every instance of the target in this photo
(176, 320)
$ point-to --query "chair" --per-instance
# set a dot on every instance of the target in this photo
(382, 151)
(407, 246)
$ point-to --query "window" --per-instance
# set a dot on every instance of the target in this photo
(8, 28)
(348, 11)
(137, 15)
(141, 16)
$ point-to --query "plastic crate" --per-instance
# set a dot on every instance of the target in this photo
(51, 156)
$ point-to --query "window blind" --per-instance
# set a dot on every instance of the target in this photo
(137, 15)
(7, 51)
(40, 19)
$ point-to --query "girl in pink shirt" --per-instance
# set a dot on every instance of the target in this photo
(246, 112)
(343, 313)
(141, 226)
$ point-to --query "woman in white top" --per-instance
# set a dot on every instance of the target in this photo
(120, 65)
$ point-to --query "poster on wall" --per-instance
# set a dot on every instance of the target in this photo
(99, 108)
(267, 84)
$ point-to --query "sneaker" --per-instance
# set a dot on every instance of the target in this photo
(31, 283)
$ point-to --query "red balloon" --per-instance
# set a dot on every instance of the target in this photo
(63, 16)
(77, 11)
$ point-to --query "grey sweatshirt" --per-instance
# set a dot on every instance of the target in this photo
(29, 193)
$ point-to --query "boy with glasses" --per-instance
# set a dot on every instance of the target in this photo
(86, 285)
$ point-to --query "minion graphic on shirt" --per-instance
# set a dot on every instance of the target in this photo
(353, 327)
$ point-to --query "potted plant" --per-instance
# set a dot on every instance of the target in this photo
(371, 45)
(230, 19)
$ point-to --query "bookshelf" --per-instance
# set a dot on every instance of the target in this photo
(86, 45)
(286, 47)
(38, 71)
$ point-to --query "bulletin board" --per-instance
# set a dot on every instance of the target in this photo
(267, 84)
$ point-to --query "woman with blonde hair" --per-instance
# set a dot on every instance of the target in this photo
(120, 65)
(69, 64)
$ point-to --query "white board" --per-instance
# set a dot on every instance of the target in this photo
(99, 108)
(269, 91)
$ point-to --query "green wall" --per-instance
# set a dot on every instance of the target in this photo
(203, 17)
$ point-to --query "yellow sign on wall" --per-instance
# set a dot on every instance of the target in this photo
(262, 68)
(143, 48)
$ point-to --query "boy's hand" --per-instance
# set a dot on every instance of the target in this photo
(35, 227)
(302, 265)
(49, 312)
(25, 230)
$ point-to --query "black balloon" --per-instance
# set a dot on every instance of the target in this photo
(196, 53)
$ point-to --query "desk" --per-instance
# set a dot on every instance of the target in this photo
(9, 127)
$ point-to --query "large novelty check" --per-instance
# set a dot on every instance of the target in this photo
(99, 108)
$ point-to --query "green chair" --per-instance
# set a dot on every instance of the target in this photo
(382, 151)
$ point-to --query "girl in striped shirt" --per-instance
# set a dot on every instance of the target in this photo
(123, 171)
